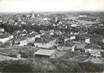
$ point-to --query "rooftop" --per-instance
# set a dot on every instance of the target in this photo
(45, 52)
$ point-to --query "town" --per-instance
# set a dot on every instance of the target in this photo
(54, 41)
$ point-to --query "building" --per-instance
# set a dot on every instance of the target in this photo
(94, 52)
(4, 40)
(87, 40)
(79, 47)
(2, 30)
(72, 37)
(45, 45)
(65, 48)
(66, 39)
(23, 43)
(32, 15)
(26, 41)
(103, 40)
(74, 25)
(45, 53)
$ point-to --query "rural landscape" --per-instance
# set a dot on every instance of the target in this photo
(52, 42)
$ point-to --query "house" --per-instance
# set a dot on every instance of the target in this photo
(23, 22)
(73, 48)
(66, 39)
(94, 52)
(22, 35)
(24, 31)
(23, 43)
(88, 50)
(72, 37)
(18, 32)
(103, 40)
(76, 33)
(71, 33)
(45, 45)
(19, 56)
(74, 25)
(58, 32)
(2, 30)
(82, 16)
(79, 47)
(37, 36)
(64, 48)
(26, 41)
(51, 33)
(1, 20)
(32, 32)
(94, 60)
(4, 40)
(45, 53)
(97, 52)
(87, 40)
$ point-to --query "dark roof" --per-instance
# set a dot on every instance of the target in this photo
(5, 34)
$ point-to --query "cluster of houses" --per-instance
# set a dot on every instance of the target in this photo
(50, 47)
(4, 36)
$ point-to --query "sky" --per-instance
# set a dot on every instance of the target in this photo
(50, 5)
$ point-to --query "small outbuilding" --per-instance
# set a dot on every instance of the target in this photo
(45, 53)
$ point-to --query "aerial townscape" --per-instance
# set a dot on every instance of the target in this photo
(52, 42)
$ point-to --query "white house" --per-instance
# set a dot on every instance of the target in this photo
(64, 48)
(18, 31)
(24, 30)
(66, 39)
(103, 40)
(19, 56)
(32, 32)
(74, 25)
(45, 45)
(51, 33)
(94, 52)
(23, 43)
(26, 41)
(37, 36)
(2, 30)
(1, 20)
(4, 40)
(76, 33)
(72, 37)
(71, 33)
(87, 40)
(73, 48)
(23, 22)
(22, 35)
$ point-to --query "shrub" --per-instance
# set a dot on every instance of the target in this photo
(16, 66)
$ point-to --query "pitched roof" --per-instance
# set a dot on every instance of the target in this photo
(45, 52)
(80, 46)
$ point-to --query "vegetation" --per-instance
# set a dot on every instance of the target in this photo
(16, 66)
(43, 65)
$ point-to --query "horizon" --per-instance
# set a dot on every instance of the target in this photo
(52, 12)
(27, 6)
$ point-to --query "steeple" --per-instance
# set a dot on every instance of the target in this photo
(32, 15)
